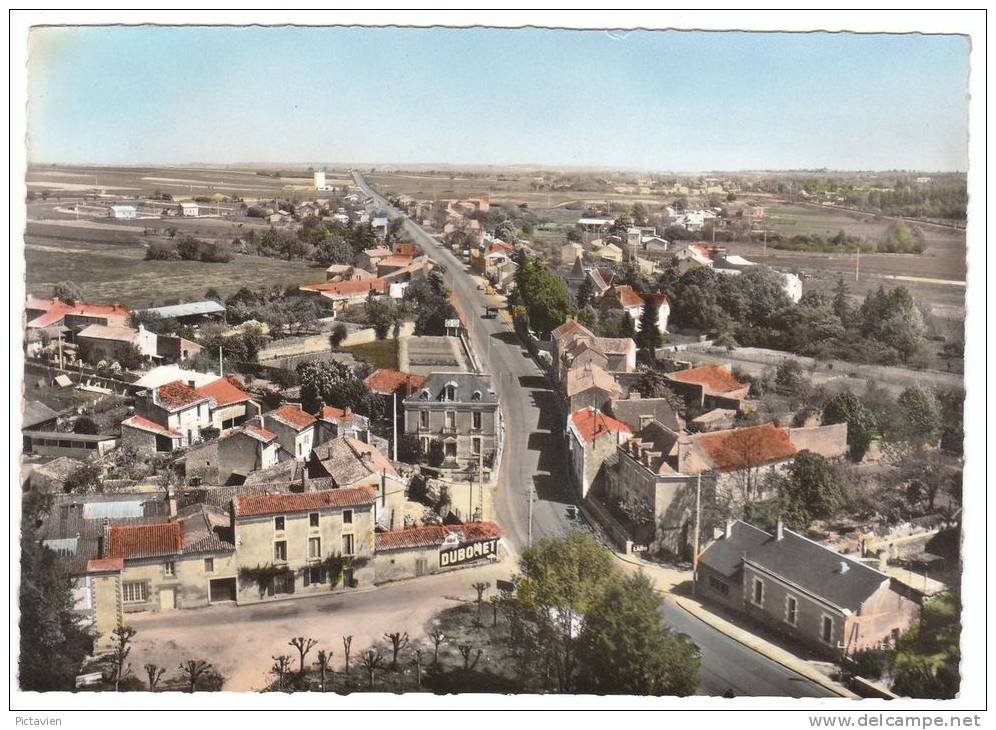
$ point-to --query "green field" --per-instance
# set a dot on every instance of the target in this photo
(121, 275)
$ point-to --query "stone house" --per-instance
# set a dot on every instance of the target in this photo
(234, 456)
(296, 429)
(98, 342)
(230, 406)
(176, 408)
(592, 437)
(461, 411)
(590, 386)
(311, 543)
(349, 462)
(830, 602)
(710, 386)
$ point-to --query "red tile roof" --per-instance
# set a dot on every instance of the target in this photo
(431, 535)
(407, 249)
(715, 378)
(273, 504)
(144, 541)
(294, 416)
(348, 288)
(177, 395)
(590, 423)
(56, 310)
(223, 392)
(259, 433)
(571, 325)
(627, 295)
(384, 381)
(102, 565)
(144, 424)
(741, 448)
(398, 260)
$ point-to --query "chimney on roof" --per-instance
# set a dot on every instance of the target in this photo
(192, 383)
(844, 567)
(728, 530)
(780, 530)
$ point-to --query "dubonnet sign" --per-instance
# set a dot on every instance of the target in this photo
(466, 552)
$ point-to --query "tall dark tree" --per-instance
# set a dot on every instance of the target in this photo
(845, 407)
(625, 648)
(810, 491)
(53, 642)
(649, 338)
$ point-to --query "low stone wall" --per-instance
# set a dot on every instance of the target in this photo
(599, 515)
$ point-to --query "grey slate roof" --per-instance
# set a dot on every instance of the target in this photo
(467, 384)
(798, 560)
(629, 411)
(186, 310)
(35, 412)
(725, 556)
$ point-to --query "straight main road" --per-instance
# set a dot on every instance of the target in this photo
(534, 463)
(534, 456)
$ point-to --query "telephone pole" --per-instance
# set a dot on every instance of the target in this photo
(529, 541)
(394, 426)
(695, 547)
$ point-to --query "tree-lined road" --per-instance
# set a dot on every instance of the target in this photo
(534, 460)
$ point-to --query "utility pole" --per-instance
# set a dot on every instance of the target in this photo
(221, 362)
(765, 249)
(857, 262)
(695, 547)
(394, 425)
(529, 542)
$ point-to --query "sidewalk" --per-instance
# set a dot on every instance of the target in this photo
(666, 579)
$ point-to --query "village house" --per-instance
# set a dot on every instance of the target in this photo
(334, 422)
(827, 601)
(387, 382)
(167, 417)
(461, 412)
(232, 457)
(97, 342)
(230, 405)
(307, 543)
(348, 462)
(188, 209)
(392, 263)
(589, 386)
(371, 257)
(637, 412)
(710, 386)
(122, 211)
(592, 437)
(342, 294)
(296, 429)
(60, 443)
(54, 313)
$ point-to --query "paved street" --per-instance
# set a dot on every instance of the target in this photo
(729, 665)
(534, 454)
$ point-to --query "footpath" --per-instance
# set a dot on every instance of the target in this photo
(666, 579)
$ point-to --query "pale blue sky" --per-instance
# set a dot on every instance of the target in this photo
(648, 100)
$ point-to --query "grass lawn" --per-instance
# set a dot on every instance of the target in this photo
(120, 274)
(381, 353)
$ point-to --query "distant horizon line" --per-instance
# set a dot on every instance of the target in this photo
(476, 166)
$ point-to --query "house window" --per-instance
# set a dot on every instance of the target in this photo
(423, 419)
(450, 419)
(280, 551)
(314, 547)
(313, 575)
(134, 592)
(826, 629)
(758, 595)
(347, 544)
(313, 519)
(208, 565)
(476, 419)
(278, 523)
(169, 567)
(299, 449)
(347, 517)
(451, 392)
(719, 586)
(475, 445)
(451, 450)
(791, 610)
